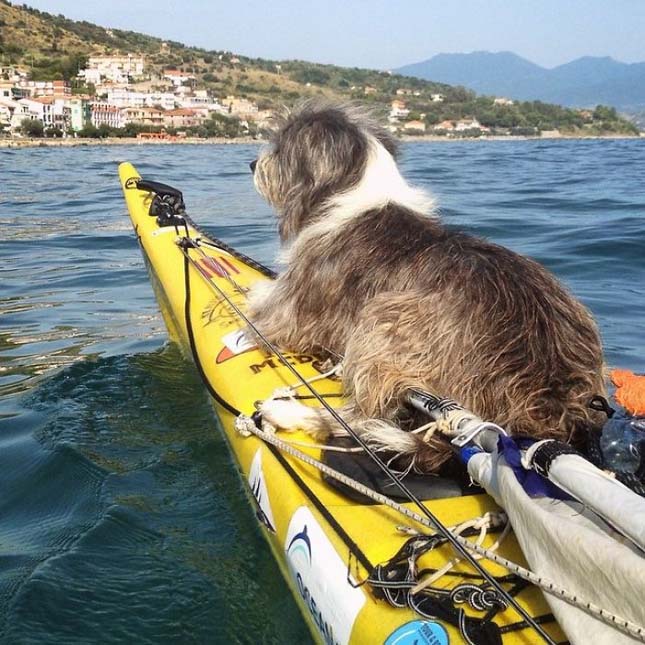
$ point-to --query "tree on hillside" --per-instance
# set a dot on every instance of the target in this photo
(604, 113)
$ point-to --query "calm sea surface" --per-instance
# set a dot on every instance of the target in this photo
(122, 518)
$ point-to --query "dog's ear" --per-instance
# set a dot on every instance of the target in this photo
(323, 153)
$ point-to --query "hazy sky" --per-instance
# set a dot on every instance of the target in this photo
(379, 33)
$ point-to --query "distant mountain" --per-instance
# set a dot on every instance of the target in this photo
(584, 82)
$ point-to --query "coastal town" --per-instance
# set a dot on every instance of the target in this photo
(121, 93)
(123, 96)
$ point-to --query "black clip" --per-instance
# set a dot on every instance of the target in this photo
(167, 204)
(600, 404)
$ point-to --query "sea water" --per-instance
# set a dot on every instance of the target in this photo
(122, 516)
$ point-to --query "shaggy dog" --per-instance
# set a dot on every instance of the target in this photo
(373, 275)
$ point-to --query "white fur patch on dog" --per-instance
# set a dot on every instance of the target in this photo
(382, 183)
(383, 435)
(259, 293)
(290, 415)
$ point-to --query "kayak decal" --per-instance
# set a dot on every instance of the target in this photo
(273, 363)
(419, 632)
(213, 268)
(235, 343)
(260, 493)
(320, 576)
(300, 542)
(218, 311)
(229, 265)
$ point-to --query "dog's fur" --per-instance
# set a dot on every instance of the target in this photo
(372, 274)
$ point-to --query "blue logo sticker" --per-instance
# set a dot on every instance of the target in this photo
(418, 632)
(301, 544)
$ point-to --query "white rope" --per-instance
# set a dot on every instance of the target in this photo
(449, 424)
(320, 446)
(287, 391)
(245, 425)
(487, 521)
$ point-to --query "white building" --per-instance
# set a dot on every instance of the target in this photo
(35, 89)
(90, 76)
(176, 77)
(116, 69)
(17, 112)
(124, 97)
(52, 111)
(437, 98)
(11, 114)
(166, 100)
(468, 124)
(9, 90)
(200, 100)
(398, 111)
(66, 113)
(105, 114)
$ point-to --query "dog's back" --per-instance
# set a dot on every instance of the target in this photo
(469, 320)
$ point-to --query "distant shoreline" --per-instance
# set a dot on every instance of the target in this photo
(122, 141)
(116, 141)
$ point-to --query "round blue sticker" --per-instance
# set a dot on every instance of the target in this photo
(418, 632)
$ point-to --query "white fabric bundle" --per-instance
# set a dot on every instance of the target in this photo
(565, 541)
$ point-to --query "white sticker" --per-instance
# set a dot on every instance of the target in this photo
(259, 489)
(321, 578)
(237, 342)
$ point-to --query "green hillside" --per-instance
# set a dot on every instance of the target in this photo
(55, 47)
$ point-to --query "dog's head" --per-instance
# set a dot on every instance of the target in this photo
(319, 150)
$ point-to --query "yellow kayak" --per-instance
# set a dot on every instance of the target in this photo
(327, 544)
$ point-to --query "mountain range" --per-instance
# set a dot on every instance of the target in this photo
(584, 82)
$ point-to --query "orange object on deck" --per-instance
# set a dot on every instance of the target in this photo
(631, 390)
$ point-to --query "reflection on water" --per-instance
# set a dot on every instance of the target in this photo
(122, 514)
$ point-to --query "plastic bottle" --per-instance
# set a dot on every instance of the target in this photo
(622, 443)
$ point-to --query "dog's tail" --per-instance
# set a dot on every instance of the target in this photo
(424, 455)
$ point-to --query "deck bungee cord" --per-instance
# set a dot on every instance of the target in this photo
(191, 247)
